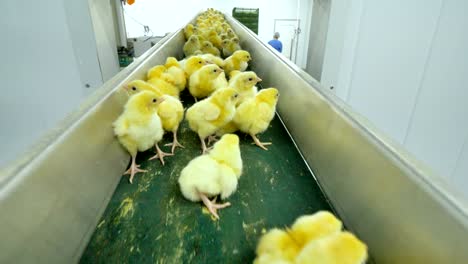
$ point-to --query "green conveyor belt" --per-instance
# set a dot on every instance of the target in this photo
(149, 221)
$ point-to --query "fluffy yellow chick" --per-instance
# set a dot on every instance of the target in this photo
(174, 69)
(212, 59)
(192, 65)
(232, 74)
(254, 115)
(231, 33)
(212, 113)
(193, 44)
(276, 246)
(223, 36)
(159, 71)
(138, 128)
(229, 128)
(165, 83)
(171, 112)
(225, 43)
(244, 83)
(237, 61)
(136, 86)
(212, 174)
(189, 30)
(230, 46)
(311, 227)
(342, 248)
(205, 81)
(207, 47)
(213, 37)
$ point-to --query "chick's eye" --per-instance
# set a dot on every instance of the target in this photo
(154, 100)
(134, 88)
(236, 95)
(214, 70)
(199, 62)
(250, 79)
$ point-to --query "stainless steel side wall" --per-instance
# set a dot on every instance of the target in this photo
(386, 197)
(52, 198)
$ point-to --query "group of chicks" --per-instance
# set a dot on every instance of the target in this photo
(226, 101)
(316, 238)
(223, 106)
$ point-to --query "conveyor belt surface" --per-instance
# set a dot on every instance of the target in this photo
(149, 221)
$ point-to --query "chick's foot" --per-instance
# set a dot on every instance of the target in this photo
(212, 205)
(160, 154)
(212, 139)
(260, 144)
(174, 143)
(134, 169)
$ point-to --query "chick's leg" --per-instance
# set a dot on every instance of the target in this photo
(211, 139)
(212, 205)
(204, 149)
(134, 168)
(160, 154)
(174, 143)
(260, 144)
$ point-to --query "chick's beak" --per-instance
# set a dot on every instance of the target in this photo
(160, 100)
(126, 88)
(259, 80)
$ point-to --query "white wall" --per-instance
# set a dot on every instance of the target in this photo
(162, 19)
(49, 54)
(39, 74)
(105, 28)
(405, 69)
(82, 37)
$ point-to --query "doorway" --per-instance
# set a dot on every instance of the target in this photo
(289, 30)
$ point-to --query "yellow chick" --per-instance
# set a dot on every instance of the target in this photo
(237, 61)
(341, 248)
(193, 44)
(175, 70)
(139, 85)
(213, 37)
(276, 246)
(225, 43)
(232, 74)
(212, 174)
(189, 30)
(205, 81)
(207, 47)
(244, 83)
(229, 128)
(311, 227)
(223, 36)
(138, 128)
(254, 115)
(212, 113)
(192, 65)
(165, 83)
(231, 33)
(171, 112)
(230, 46)
(158, 71)
(212, 59)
